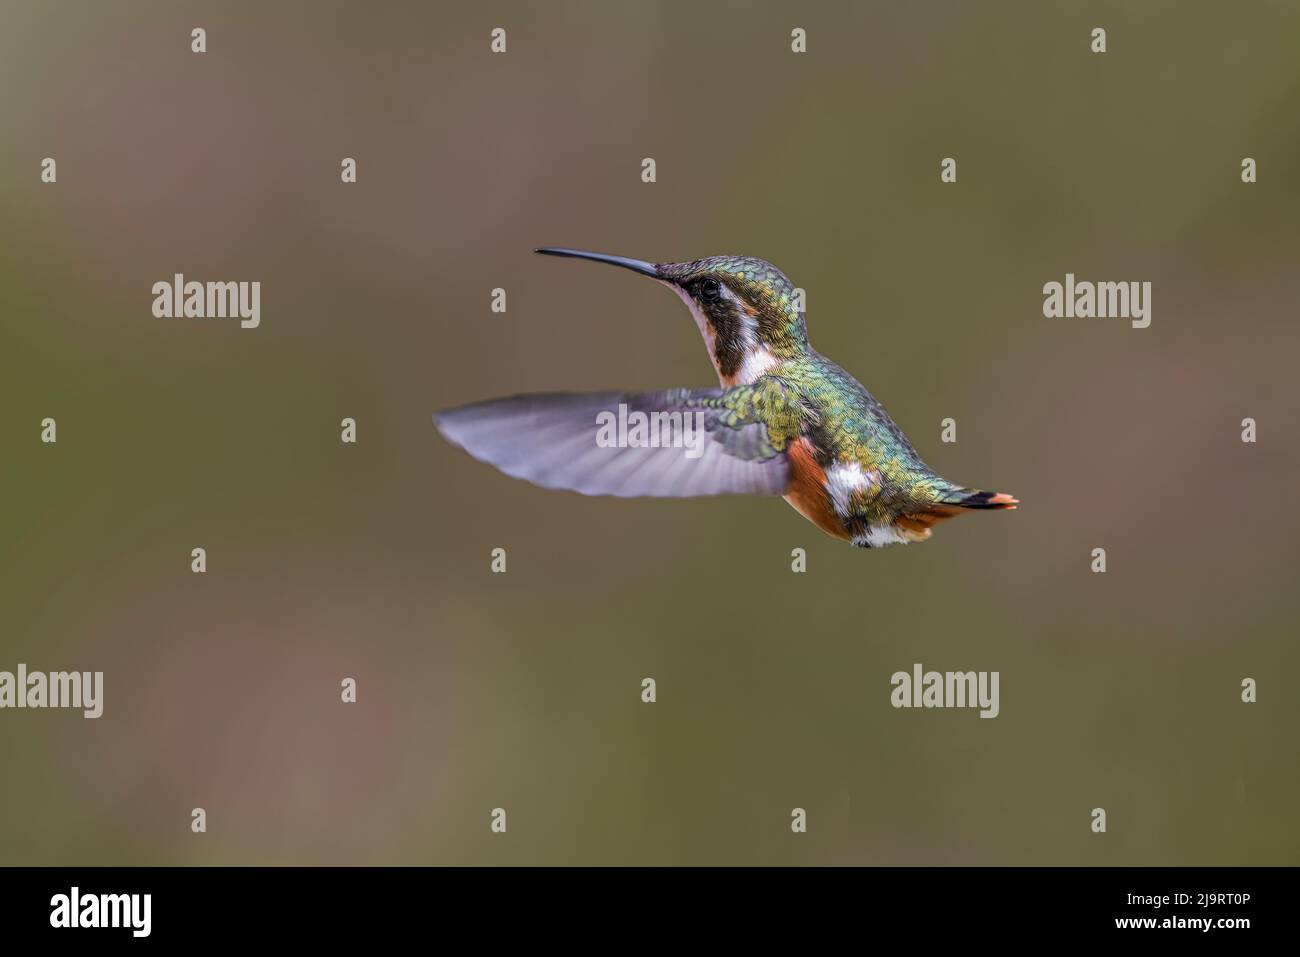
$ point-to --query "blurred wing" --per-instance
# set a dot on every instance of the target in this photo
(691, 443)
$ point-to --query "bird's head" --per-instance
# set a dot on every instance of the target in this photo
(745, 308)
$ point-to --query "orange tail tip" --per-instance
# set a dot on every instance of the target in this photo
(973, 498)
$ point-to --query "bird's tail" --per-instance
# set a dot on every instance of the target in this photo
(915, 524)
(976, 498)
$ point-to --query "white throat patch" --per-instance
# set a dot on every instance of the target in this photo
(758, 359)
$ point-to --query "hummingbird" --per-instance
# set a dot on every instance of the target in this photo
(784, 420)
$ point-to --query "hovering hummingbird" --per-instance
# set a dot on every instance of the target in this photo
(785, 421)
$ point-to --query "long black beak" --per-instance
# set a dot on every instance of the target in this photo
(636, 265)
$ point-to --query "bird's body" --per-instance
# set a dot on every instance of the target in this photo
(855, 474)
(785, 420)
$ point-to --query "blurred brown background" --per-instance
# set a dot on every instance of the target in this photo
(522, 690)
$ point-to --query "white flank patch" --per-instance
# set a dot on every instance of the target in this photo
(845, 478)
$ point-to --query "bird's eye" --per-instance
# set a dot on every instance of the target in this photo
(710, 289)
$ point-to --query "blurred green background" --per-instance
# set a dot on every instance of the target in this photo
(522, 690)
